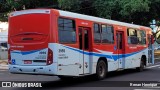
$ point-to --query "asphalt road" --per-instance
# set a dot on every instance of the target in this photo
(114, 81)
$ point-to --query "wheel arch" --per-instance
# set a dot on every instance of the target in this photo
(103, 59)
(144, 59)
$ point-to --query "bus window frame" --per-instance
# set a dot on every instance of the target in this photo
(112, 33)
(62, 17)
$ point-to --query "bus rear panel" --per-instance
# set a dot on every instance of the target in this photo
(29, 36)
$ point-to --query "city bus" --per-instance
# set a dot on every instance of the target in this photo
(67, 44)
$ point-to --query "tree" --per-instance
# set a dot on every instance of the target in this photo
(123, 10)
(132, 11)
(78, 6)
(7, 6)
(154, 10)
(104, 8)
(68, 4)
(129, 7)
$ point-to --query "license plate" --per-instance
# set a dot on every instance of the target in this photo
(27, 61)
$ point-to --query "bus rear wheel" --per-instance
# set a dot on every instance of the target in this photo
(142, 65)
(101, 70)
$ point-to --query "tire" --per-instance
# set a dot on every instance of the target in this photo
(101, 70)
(141, 68)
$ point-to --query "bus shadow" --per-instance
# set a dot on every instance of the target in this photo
(124, 72)
(87, 81)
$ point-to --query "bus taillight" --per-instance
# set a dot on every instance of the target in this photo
(9, 56)
(50, 57)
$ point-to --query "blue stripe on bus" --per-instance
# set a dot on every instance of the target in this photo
(114, 56)
(25, 53)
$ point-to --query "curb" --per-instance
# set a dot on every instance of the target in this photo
(3, 62)
(3, 67)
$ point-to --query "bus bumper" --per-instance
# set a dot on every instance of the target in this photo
(46, 70)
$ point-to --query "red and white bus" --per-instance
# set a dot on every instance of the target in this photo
(61, 43)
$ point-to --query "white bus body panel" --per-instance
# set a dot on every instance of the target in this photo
(67, 61)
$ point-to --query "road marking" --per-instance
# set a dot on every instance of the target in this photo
(147, 89)
(157, 63)
(3, 67)
(156, 58)
(153, 66)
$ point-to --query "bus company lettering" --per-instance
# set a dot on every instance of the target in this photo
(133, 47)
(63, 56)
(17, 46)
(41, 57)
(84, 23)
(61, 50)
(119, 28)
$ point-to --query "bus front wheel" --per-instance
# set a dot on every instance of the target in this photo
(101, 70)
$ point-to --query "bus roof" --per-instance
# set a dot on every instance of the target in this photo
(97, 19)
(79, 16)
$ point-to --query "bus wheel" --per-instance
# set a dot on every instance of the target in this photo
(141, 68)
(101, 70)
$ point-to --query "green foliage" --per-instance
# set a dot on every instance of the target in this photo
(129, 7)
(123, 10)
(104, 8)
(158, 23)
(155, 9)
(7, 6)
(78, 6)
(4, 17)
(136, 11)
(69, 4)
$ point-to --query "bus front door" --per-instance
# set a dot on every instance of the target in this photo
(120, 49)
(84, 46)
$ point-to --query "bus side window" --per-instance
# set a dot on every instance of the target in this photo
(132, 36)
(97, 33)
(66, 30)
(141, 35)
(107, 34)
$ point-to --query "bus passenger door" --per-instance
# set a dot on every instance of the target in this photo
(84, 46)
(120, 49)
